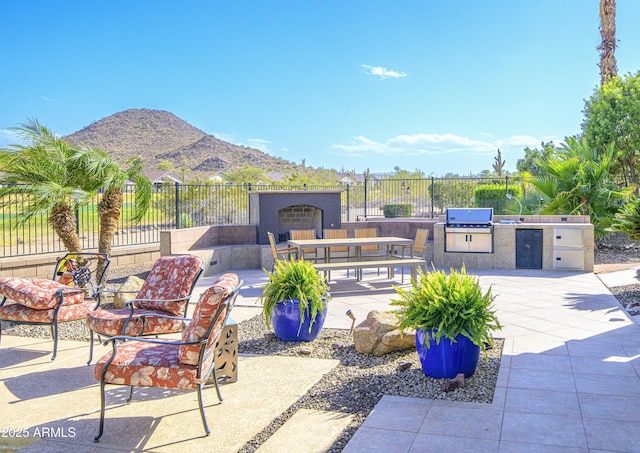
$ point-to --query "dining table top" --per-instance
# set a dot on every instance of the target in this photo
(354, 242)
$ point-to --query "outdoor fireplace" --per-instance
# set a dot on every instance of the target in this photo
(279, 212)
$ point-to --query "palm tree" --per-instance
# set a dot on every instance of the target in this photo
(607, 47)
(576, 179)
(48, 178)
(106, 174)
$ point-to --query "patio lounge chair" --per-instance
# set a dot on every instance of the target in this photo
(68, 296)
(165, 291)
(182, 365)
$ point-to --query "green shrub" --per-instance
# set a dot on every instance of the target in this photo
(295, 280)
(451, 305)
(495, 196)
(397, 210)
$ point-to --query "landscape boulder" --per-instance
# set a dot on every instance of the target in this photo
(379, 335)
(131, 285)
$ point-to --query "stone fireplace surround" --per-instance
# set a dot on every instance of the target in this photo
(280, 211)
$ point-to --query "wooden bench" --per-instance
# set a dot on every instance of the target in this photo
(390, 264)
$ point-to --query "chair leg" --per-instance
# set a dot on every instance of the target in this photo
(54, 334)
(215, 381)
(90, 347)
(130, 394)
(200, 403)
(102, 408)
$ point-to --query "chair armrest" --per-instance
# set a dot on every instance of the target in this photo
(133, 301)
(149, 340)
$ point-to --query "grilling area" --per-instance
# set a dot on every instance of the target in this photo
(479, 240)
(469, 230)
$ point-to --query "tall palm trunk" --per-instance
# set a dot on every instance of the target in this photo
(109, 209)
(607, 48)
(63, 221)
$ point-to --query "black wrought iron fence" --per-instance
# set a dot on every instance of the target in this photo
(191, 205)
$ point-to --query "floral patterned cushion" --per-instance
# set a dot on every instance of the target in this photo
(21, 313)
(203, 315)
(171, 277)
(110, 322)
(39, 294)
(150, 365)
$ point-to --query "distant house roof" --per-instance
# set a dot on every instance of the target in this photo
(355, 178)
(160, 176)
(277, 176)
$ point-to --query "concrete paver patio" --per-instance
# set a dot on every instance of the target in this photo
(569, 382)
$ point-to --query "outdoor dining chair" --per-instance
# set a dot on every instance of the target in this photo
(339, 251)
(280, 253)
(308, 253)
(183, 365)
(71, 293)
(419, 246)
(369, 251)
(165, 291)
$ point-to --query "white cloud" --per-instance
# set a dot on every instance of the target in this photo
(48, 99)
(259, 144)
(520, 140)
(383, 73)
(7, 137)
(434, 144)
(224, 136)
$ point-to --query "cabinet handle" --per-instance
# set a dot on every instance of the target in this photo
(558, 237)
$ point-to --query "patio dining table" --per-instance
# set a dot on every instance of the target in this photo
(389, 260)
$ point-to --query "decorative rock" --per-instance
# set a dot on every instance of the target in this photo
(305, 351)
(452, 384)
(379, 335)
(269, 336)
(403, 366)
(131, 285)
(337, 346)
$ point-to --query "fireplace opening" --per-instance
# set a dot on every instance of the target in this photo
(298, 217)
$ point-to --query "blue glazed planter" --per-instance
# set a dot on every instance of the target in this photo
(447, 359)
(285, 320)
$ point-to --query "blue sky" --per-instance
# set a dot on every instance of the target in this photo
(432, 85)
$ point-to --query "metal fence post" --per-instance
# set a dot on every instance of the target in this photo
(177, 201)
(433, 198)
(348, 203)
(365, 198)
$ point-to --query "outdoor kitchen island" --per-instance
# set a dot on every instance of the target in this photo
(547, 242)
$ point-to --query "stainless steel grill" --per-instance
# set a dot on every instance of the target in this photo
(469, 230)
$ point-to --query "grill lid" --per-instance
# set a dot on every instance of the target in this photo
(469, 216)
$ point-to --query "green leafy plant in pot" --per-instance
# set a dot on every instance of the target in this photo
(453, 319)
(294, 300)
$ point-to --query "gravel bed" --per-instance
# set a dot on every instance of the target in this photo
(616, 248)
